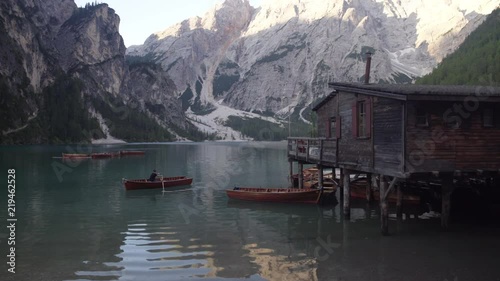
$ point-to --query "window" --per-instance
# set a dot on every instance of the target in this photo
(333, 128)
(422, 118)
(361, 118)
(488, 117)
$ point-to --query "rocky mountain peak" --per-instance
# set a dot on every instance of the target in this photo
(89, 37)
(60, 63)
(278, 59)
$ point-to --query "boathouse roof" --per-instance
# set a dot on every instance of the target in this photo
(325, 100)
(415, 92)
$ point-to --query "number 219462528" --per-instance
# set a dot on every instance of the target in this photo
(11, 188)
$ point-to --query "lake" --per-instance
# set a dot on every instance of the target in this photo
(75, 221)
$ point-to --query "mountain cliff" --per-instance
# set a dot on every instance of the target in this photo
(64, 78)
(276, 60)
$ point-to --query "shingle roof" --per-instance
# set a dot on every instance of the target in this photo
(323, 101)
(418, 92)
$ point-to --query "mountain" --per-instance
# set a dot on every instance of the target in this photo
(276, 60)
(238, 72)
(475, 62)
(64, 78)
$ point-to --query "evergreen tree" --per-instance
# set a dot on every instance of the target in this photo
(475, 62)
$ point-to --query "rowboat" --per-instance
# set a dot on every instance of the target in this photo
(358, 190)
(311, 179)
(75, 155)
(132, 152)
(103, 155)
(285, 195)
(162, 183)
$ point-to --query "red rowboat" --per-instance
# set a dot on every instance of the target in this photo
(287, 195)
(164, 183)
(102, 155)
(75, 155)
(132, 152)
(358, 190)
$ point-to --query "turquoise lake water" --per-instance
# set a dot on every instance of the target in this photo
(75, 221)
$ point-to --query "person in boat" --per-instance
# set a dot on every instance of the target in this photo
(153, 176)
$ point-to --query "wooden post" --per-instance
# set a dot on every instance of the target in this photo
(307, 151)
(320, 151)
(345, 235)
(399, 209)
(384, 212)
(347, 195)
(290, 176)
(341, 182)
(369, 188)
(446, 190)
(301, 175)
(320, 176)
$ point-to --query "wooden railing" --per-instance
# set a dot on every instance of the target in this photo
(315, 150)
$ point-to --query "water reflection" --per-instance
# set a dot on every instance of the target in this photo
(279, 267)
(87, 227)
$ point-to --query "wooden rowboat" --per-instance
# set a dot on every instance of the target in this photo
(132, 152)
(311, 179)
(286, 195)
(103, 155)
(358, 190)
(163, 183)
(75, 155)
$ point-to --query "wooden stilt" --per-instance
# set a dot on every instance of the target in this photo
(320, 176)
(368, 210)
(347, 195)
(290, 176)
(399, 207)
(384, 212)
(446, 189)
(301, 175)
(369, 188)
(345, 234)
(341, 182)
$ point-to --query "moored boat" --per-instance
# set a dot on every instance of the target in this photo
(132, 152)
(162, 183)
(285, 195)
(311, 179)
(75, 155)
(358, 190)
(101, 155)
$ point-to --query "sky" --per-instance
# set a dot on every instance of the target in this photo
(139, 19)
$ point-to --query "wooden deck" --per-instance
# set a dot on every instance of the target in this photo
(313, 150)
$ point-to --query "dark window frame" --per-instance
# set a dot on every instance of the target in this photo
(362, 119)
(490, 118)
(332, 130)
(421, 117)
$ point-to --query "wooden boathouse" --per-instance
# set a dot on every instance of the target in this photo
(403, 132)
